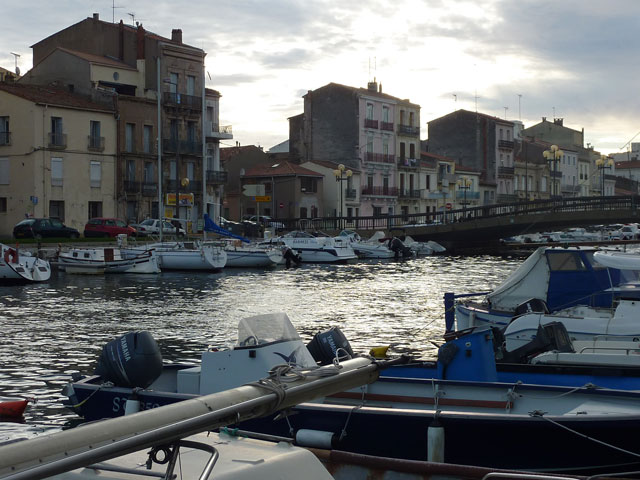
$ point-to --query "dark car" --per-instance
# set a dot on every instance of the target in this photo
(43, 228)
(107, 227)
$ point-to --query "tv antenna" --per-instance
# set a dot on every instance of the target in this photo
(16, 55)
(455, 101)
(113, 11)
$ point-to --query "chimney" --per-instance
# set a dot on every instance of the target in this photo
(176, 35)
(380, 88)
(372, 86)
(96, 16)
(140, 42)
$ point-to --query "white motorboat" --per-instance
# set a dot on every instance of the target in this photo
(241, 255)
(423, 248)
(100, 260)
(18, 267)
(185, 255)
(314, 249)
(375, 247)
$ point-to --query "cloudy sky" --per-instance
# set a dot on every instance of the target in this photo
(524, 59)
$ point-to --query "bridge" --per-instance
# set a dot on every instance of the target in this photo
(481, 228)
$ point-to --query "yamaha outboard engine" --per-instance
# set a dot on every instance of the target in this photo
(291, 258)
(324, 345)
(132, 360)
(399, 248)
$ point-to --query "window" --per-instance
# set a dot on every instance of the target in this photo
(403, 148)
(95, 209)
(191, 132)
(4, 171)
(56, 173)
(385, 114)
(377, 211)
(148, 172)
(501, 134)
(369, 181)
(308, 184)
(369, 111)
(172, 170)
(385, 147)
(129, 137)
(3, 204)
(173, 86)
(191, 171)
(515, 183)
(94, 135)
(4, 131)
(132, 210)
(57, 137)
(191, 85)
(95, 174)
(147, 140)
(56, 210)
(131, 170)
(543, 184)
(411, 120)
(303, 212)
(173, 130)
(428, 181)
(565, 261)
(401, 117)
(412, 150)
(369, 144)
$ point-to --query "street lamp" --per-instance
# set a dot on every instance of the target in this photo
(553, 155)
(342, 175)
(604, 162)
(464, 184)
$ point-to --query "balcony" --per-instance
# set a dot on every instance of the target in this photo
(149, 189)
(218, 131)
(186, 147)
(506, 171)
(350, 193)
(460, 195)
(388, 126)
(179, 100)
(96, 144)
(411, 163)
(446, 178)
(371, 157)
(216, 177)
(5, 138)
(370, 123)
(409, 130)
(380, 191)
(556, 174)
(404, 193)
(131, 186)
(57, 140)
(505, 144)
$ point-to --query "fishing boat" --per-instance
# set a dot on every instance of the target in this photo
(101, 260)
(550, 280)
(18, 267)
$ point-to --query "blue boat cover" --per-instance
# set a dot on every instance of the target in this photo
(211, 226)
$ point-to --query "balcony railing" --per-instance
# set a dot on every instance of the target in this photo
(404, 193)
(57, 140)
(5, 138)
(350, 193)
(380, 191)
(216, 177)
(378, 157)
(96, 144)
(218, 131)
(506, 171)
(386, 126)
(460, 195)
(408, 162)
(409, 130)
(184, 101)
(507, 144)
(187, 147)
(370, 123)
(149, 188)
(556, 174)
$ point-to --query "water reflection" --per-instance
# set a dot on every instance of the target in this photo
(52, 330)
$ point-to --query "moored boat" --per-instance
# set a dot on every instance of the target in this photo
(100, 260)
(18, 267)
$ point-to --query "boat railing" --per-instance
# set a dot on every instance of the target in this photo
(626, 350)
(450, 303)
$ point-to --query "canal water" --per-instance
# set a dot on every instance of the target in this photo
(52, 330)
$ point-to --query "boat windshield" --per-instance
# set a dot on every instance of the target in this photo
(267, 328)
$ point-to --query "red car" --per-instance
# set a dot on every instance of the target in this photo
(107, 227)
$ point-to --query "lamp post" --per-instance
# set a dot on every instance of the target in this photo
(342, 175)
(553, 155)
(604, 162)
(464, 184)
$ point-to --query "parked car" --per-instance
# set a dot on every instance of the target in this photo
(151, 226)
(265, 220)
(107, 227)
(43, 228)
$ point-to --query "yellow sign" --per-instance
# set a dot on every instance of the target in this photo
(186, 199)
(263, 198)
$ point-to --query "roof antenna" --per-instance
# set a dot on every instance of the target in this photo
(16, 58)
(113, 11)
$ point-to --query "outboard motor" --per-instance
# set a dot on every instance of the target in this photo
(292, 259)
(399, 248)
(324, 345)
(132, 360)
(552, 336)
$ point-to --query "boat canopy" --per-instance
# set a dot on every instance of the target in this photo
(266, 328)
(211, 226)
(562, 277)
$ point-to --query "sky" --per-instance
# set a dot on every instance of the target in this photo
(515, 59)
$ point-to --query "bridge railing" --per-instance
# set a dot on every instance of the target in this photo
(389, 222)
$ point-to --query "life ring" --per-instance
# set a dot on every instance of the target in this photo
(11, 253)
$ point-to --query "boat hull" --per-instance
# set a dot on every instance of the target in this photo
(19, 269)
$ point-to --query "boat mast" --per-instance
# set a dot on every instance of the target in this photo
(158, 93)
(204, 151)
